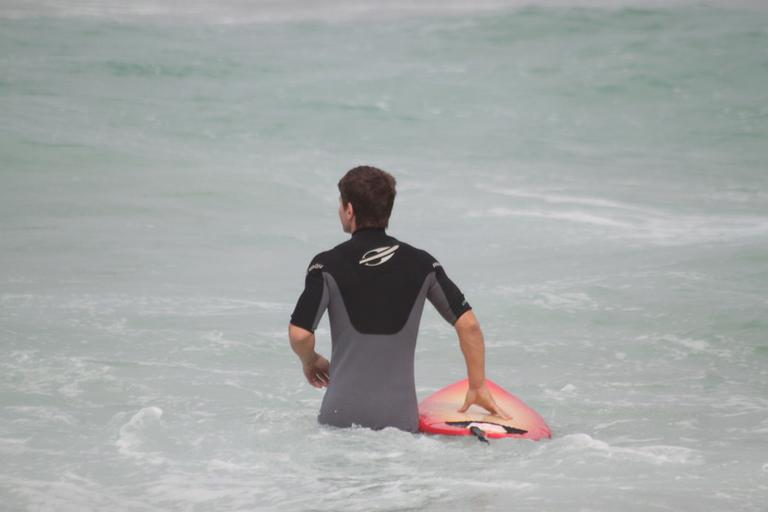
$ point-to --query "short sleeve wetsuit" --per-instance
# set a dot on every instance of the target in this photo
(374, 287)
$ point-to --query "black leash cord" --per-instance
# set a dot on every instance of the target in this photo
(479, 433)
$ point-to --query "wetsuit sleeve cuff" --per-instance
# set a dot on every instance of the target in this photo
(464, 308)
(306, 327)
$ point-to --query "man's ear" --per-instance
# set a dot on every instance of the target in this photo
(350, 210)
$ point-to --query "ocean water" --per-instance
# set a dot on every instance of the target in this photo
(591, 174)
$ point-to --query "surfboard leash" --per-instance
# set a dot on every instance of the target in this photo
(479, 433)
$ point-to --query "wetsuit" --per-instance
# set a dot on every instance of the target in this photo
(374, 287)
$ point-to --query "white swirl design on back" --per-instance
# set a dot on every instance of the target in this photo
(378, 255)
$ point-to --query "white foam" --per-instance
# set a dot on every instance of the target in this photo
(229, 467)
(567, 301)
(12, 446)
(217, 338)
(694, 345)
(131, 438)
(561, 198)
(570, 215)
(69, 492)
(108, 303)
(653, 454)
(652, 226)
(626, 220)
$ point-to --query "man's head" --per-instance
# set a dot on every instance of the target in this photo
(367, 197)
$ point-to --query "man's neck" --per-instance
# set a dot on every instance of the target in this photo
(366, 230)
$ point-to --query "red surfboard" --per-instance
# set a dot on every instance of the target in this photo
(438, 414)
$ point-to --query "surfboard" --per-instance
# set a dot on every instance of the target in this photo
(438, 414)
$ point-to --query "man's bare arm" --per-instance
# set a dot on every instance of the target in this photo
(315, 366)
(473, 347)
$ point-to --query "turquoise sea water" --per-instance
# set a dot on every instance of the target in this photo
(593, 176)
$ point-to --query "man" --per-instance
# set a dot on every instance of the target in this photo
(374, 287)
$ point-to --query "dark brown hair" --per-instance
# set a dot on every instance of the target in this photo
(372, 194)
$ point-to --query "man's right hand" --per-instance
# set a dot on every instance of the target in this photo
(316, 367)
(482, 396)
(317, 370)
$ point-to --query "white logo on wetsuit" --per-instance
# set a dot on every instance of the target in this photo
(378, 256)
